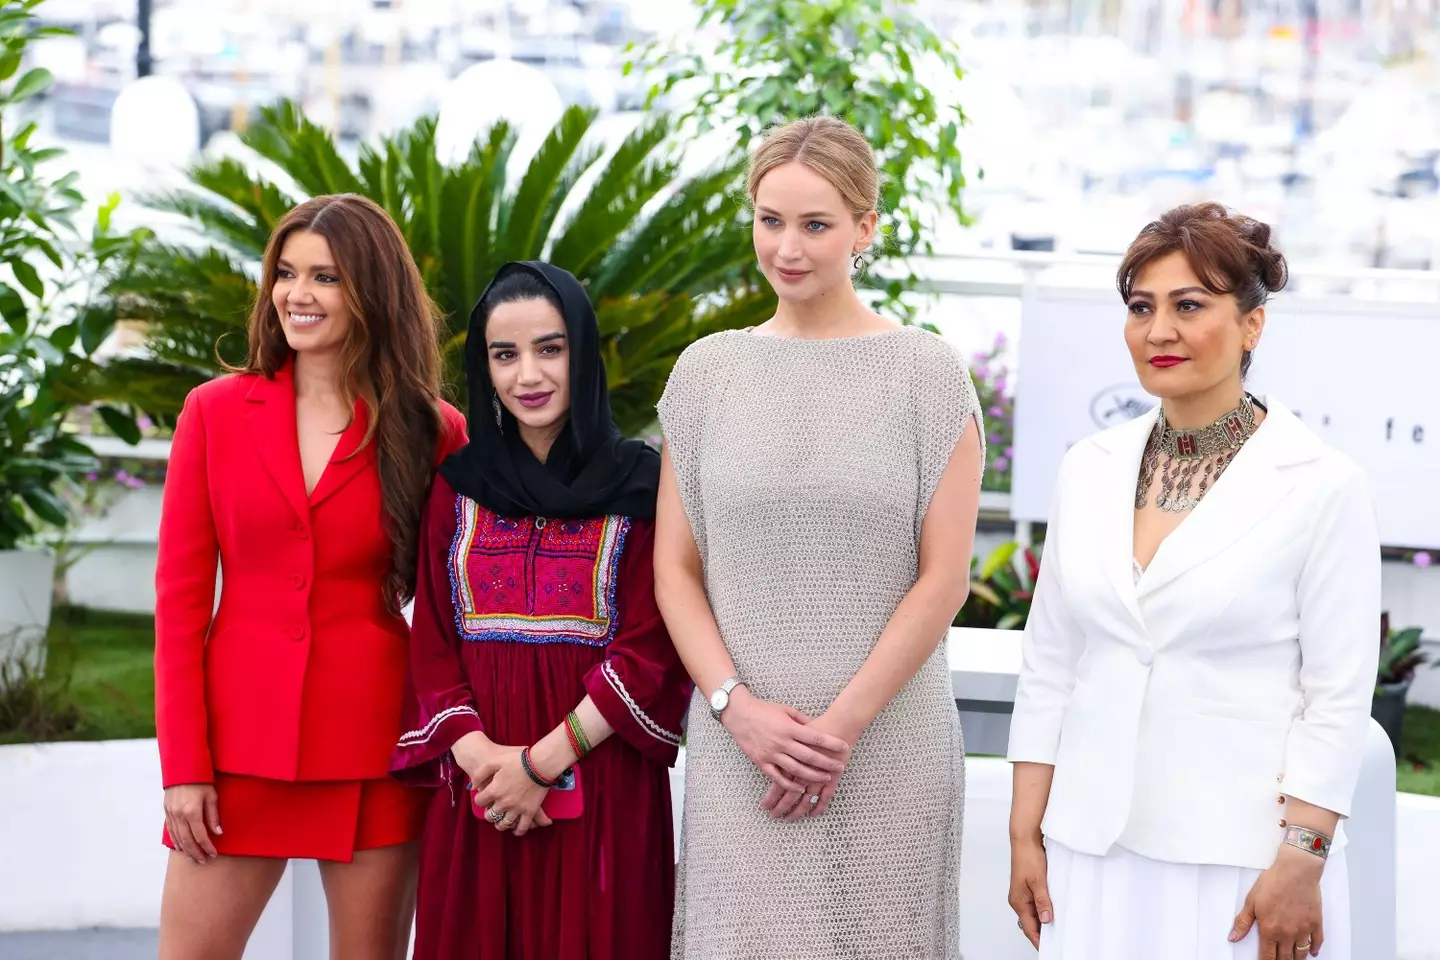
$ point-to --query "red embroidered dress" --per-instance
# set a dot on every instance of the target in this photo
(516, 620)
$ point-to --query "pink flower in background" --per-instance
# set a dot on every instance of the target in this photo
(1423, 559)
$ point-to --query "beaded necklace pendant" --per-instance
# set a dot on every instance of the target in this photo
(1190, 462)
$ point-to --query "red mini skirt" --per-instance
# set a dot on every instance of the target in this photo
(327, 820)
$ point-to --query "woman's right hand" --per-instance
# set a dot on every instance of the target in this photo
(192, 813)
(778, 741)
(471, 752)
(1029, 893)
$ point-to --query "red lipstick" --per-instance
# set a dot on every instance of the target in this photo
(1166, 361)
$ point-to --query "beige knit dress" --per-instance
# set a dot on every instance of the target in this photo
(805, 468)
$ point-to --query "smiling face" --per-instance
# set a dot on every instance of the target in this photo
(806, 238)
(530, 362)
(1186, 341)
(309, 296)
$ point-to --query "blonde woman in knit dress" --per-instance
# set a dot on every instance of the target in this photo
(816, 515)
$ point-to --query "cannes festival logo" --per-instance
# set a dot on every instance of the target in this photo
(1119, 404)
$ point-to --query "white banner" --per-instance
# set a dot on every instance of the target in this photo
(1365, 376)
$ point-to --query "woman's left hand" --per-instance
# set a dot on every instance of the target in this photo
(1285, 906)
(502, 785)
(791, 805)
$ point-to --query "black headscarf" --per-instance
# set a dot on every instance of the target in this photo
(592, 470)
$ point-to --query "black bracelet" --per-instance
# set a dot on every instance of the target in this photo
(535, 778)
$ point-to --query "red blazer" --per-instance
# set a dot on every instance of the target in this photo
(299, 673)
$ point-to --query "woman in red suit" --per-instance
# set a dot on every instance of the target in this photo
(304, 476)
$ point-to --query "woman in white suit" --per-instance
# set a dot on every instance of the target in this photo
(1200, 655)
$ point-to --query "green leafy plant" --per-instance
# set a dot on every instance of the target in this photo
(49, 272)
(1400, 654)
(873, 62)
(35, 701)
(658, 253)
(1002, 587)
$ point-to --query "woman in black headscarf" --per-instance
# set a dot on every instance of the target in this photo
(548, 697)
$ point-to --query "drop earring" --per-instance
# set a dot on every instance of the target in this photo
(495, 405)
(858, 264)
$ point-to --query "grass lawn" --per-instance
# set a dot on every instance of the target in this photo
(1419, 768)
(109, 660)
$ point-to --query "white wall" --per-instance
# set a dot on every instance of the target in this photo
(1418, 869)
(80, 847)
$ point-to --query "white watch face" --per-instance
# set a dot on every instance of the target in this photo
(719, 700)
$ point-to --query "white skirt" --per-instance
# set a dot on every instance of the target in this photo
(1123, 906)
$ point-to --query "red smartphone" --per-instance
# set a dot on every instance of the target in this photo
(563, 802)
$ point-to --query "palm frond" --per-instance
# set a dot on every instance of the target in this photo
(381, 173)
(667, 246)
(617, 197)
(523, 221)
(304, 150)
(224, 224)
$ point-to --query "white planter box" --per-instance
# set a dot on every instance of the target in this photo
(27, 583)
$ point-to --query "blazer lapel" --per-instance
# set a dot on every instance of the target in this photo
(270, 421)
(1115, 507)
(345, 463)
(1245, 494)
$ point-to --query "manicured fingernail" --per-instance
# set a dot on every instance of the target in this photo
(1045, 917)
(1233, 936)
(217, 829)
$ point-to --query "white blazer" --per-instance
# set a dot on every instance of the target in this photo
(1179, 712)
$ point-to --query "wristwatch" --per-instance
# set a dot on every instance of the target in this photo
(720, 699)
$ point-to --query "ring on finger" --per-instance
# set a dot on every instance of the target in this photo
(495, 816)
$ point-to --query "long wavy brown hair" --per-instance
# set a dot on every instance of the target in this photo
(391, 358)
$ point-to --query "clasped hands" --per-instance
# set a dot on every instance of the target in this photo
(802, 757)
(500, 784)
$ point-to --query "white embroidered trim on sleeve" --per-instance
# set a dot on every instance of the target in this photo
(416, 737)
(648, 725)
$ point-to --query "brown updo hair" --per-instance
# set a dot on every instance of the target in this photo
(1229, 252)
(832, 148)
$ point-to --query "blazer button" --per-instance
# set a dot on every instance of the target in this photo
(302, 532)
(297, 633)
(298, 580)
(1145, 655)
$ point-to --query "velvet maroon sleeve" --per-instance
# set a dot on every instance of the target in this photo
(439, 707)
(184, 604)
(641, 687)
